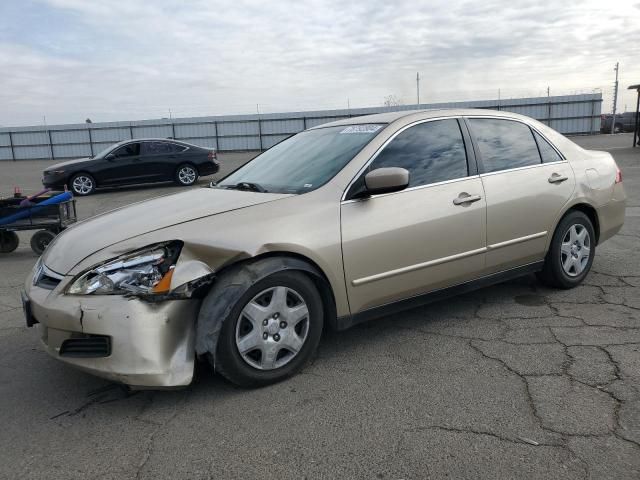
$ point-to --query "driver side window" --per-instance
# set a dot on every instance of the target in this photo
(129, 150)
(432, 152)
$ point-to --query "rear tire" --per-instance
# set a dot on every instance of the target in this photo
(186, 175)
(41, 240)
(9, 241)
(82, 184)
(272, 359)
(571, 252)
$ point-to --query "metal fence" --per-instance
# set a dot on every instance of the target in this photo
(571, 114)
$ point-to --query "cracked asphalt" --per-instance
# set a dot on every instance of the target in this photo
(512, 381)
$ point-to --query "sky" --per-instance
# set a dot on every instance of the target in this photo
(62, 61)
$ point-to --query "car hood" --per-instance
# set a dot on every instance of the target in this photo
(68, 163)
(87, 237)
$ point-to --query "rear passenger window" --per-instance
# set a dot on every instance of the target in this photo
(175, 148)
(155, 148)
(504, 144)
(547, 152)
(431, 152)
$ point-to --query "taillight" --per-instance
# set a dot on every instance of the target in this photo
(618, 175)
(213, 156)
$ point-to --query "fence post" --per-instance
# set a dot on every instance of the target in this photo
(90, 141)
(173, 131)
(260, 132)
(13, 154)
(215, 128)
(549, 112)
(131, 132)
(591, 119)
(304, 123)
(53, 157)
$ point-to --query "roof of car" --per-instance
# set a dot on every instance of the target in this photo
(154, 140)
(172, 140)
(389, 117)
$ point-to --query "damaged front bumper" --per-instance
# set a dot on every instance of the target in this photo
(129, 340)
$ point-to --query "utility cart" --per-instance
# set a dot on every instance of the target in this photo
(49, 215)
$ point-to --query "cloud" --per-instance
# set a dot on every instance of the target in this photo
(129, 59)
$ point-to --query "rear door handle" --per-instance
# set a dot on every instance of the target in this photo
(557, 178)
(465, 198)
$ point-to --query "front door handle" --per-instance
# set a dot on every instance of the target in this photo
(464, 198)
(557, 178)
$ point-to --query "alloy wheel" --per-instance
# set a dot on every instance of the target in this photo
(187, 175)
(82, 185)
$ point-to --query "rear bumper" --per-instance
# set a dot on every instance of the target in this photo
(150, 345)
(208, 169)
(611, 215)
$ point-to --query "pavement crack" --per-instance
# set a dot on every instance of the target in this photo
(150, 442)
(517, 440)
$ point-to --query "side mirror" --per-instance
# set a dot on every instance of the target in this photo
(386, 180)
(110, 157)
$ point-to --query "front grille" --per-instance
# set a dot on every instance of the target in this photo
(88, 346)
(46, 278)
(45, 281)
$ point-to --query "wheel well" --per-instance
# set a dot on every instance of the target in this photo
(316, 274)
(182, 164)
(81, 172)
(590, 212)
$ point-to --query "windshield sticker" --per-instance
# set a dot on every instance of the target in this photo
(362, 129)
(308, 185)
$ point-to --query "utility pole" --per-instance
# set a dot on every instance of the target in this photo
(418, 88)
(615, 99)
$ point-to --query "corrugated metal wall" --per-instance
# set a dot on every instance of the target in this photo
(571, 114)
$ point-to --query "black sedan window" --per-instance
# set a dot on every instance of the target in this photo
(128, 150)
(156, 148)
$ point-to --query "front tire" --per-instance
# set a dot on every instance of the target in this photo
(82, 184)
(272, 331)
(186, 175)
(571, 252)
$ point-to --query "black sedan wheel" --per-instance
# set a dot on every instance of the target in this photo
(186, 175)
(82, 184)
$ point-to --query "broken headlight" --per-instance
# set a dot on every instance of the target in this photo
(147, 271)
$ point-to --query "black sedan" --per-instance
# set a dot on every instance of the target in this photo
(134, 162)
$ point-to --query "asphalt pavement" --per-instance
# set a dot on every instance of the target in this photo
(512, 381)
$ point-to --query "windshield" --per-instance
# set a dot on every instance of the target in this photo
(106, 150)
(303, 162)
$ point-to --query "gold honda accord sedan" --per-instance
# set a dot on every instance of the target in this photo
(334, 226)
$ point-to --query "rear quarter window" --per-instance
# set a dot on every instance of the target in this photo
(547, 152)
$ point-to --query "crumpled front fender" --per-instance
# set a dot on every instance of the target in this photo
(227, 290)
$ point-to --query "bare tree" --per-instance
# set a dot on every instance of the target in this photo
(88, 120)
(392, 101)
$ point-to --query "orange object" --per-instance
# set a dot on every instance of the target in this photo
(164, 285)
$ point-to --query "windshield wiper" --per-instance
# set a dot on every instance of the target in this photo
(249, 186)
